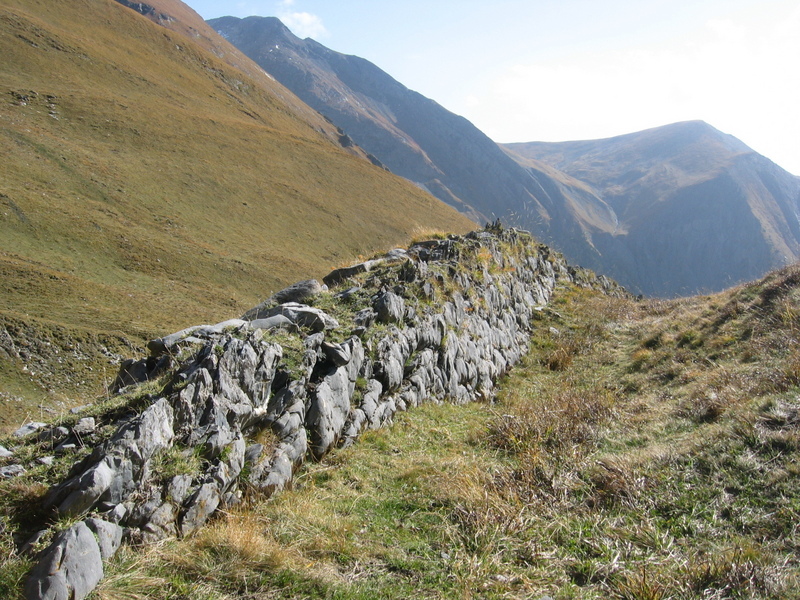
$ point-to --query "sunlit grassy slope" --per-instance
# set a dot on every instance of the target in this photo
(645, 450)
(147, 185)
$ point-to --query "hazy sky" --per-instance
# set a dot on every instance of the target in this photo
(555, 70)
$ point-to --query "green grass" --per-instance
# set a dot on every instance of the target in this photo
(601, 478)
(147, 185)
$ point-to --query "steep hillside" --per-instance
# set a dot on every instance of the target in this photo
(411, 134)
(697, 210)
(147, 184)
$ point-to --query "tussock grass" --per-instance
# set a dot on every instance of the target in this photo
(646, 468)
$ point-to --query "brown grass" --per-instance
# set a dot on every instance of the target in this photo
(146, 185)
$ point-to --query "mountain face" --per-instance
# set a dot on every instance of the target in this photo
(410, 134)
(696, 209)
(671, 211)
(153, 176)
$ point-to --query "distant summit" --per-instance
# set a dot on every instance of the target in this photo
(697, 209)
(669, 211)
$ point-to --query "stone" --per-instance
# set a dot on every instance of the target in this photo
(253, 454)
(298, 292)
(337, 276)
(200, 507)
(109, 536)
(365, 317)
(89, 487)
(29, 428)
(338, 354)
(389, 308)
(274, 322)
(5, 452)
(179, 488)
(84, 426)
(46, 460)
(302, 315)
(327, 412)
(10, 471)
(69, 569)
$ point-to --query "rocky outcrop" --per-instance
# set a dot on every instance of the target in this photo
(442, 324)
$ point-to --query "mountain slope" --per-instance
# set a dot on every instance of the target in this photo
(667, 212)
(412, 135)
(147, 184)
(697, 209)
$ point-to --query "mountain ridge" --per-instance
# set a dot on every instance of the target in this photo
(601, 203)
(685, 191)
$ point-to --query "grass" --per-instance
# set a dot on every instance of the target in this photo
(147, 185)
(643, 467)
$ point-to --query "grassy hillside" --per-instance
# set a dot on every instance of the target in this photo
(147, 185)
(645, 450)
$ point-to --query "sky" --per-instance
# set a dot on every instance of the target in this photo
(558, 70)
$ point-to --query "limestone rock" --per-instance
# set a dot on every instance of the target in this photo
(70, 568)
(29, 428)
(389, 308)
(10, 471)
(109, 536)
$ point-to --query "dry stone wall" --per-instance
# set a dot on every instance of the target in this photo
(244, 403)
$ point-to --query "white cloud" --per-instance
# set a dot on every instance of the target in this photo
(736, 73)
(304, 24)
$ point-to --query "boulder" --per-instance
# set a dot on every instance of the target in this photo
(389, 308)
(109, 536)
(29, 428)
(69, 569)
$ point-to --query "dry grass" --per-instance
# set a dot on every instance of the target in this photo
(148, 186)
(670, 473)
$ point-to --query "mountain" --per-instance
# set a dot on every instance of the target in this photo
(410, 134)
(667, 212)
(697, 210)
(153, 176)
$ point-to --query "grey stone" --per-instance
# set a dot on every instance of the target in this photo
(303, 316)
(338, 354)
(298, 292)
(89, 487)
(253, 453)
(327, 412)
(69, 569)
(84, 426)
(179, 488)
(5, 452)
(29, 428)
(10, 471)
(200, 507)
(274, 322)
(79, 409)
(46, 460)
(109, 536)
(390, 308)
(337, 276)
(365, 317)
